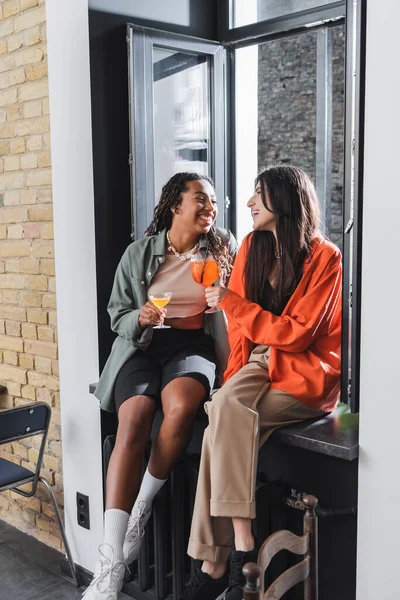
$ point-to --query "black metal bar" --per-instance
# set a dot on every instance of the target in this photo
(160, 562)
(231, 210)
(143, 567)
(177, 531)
(324, 126)
(304, 20)
(360, 50)
(347, 207)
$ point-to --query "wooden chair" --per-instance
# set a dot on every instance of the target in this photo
(305, 570)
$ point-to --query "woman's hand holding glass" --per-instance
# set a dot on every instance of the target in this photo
(215, 295)
(151, 315)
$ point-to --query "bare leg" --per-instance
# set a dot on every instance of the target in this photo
(181, 399)
(244, 539)
(124, 472)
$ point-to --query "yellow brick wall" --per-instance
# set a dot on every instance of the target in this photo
(28, 328)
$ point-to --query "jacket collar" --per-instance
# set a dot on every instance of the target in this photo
(159, 243)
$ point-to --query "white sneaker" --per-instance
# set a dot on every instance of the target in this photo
(108, 577)
(135, 532)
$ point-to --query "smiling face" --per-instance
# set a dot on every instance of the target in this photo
(263, 219)
(197, 210)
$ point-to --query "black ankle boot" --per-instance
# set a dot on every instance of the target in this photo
(236, 578)
(204, 587)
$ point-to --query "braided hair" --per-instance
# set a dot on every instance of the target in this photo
(170, 199)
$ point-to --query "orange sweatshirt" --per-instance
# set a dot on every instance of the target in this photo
(305, 339)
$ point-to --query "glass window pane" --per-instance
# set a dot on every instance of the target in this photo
(246, 12)
(279, 85)
(181, 114)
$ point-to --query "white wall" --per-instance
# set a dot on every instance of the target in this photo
(379, 480)
(71, 149)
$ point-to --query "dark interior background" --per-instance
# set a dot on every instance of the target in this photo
(110, 124)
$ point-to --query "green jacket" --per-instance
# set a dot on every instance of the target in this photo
(135, 271)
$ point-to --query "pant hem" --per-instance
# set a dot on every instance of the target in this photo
(200, 551)
(240, 510)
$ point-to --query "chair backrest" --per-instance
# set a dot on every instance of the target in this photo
(305, 570)
(24, 421)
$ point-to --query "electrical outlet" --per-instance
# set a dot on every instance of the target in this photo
(82, 510)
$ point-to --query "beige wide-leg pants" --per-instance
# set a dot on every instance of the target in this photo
(242, 415)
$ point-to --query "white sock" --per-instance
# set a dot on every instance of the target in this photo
(115, 525)
(148, 490)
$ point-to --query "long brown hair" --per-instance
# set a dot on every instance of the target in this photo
(171, 197)
(293, 199)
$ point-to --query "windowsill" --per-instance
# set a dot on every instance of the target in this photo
(335, 435)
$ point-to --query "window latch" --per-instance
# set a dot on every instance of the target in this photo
(349, 226)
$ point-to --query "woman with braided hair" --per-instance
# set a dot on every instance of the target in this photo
(173, 368)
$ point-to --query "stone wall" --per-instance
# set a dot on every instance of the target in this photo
(287, 110)
(28, 325)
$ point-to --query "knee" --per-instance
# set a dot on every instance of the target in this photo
(135, 422)
(180, 416)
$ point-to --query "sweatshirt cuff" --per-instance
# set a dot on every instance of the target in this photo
(232, 303)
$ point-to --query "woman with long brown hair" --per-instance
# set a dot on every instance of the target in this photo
(172, 368)
(283, 306)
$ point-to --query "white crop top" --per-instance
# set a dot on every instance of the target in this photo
(175, 276)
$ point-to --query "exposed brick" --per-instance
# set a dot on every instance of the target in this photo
(43, 249)
(32, 126)
(12, 181)
(36, 282)
(34, 72)
(49, 301)
(29, 196)
(10, 358)
(27, 298)
(43, 394)
(13, 265)
(14, 42)
(29, 161)
(31, 230)
(43, 381)
(20, 450)
(11, 163)
(14, 231)
(15, 248)
(6, 28)
(53, 318)
(3, 232)
(8, 97)
(10, 8)
(39, 177)
(28, 392)
(25, 4)
(14, 313)
(12, 281)
(36, 315)
(29, 331)
(6, 61)
(13, 328)
(40, 213)
(7, 130)
(17, 146)
(15, 112)
(45, 196)
(12, 198)
(11, 343)
(26, 361)
(32, 36)
(13, 215)
(10, 297)
(4, 147)
(32, 109)
(33, 89)
(30, 266)
(34, 143)
(15, 374)
(16, 76)
(47, 266)
(46, 334)
(46, 349)
(43, 365)
(14, 389)
(55, 368)
(52, 285)
(30, 19)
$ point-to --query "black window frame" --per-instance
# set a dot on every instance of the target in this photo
(352, 13)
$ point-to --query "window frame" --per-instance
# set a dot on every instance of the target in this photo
(352, 13)
(141, 41)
